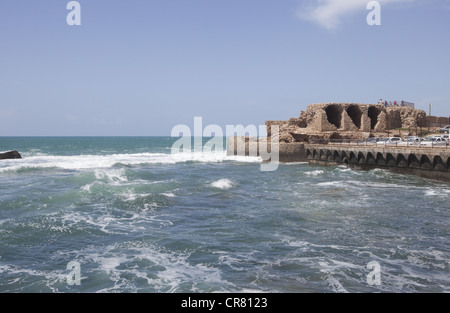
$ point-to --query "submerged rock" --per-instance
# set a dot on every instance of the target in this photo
(10, 155)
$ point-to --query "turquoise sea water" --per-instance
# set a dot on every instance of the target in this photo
(136, 218)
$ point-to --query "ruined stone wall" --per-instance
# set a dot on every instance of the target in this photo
(435, 121)
(344, 117)
(346, 120)
(395, 119)
(406, 117)
(286, 128)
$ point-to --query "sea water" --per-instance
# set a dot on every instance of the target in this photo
(135, 217)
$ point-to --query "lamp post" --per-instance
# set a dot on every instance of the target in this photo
(429, 116)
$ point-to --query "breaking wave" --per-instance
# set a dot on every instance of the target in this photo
(223, 184)
(80, 162)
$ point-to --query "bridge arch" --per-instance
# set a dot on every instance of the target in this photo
(426, 163)
(422, 162)
(438, 164)
(413, 161)
(380, 159)
(345, 158)
(361, 158)
(371, 159)
(353, 159)
(401, 161)
(322, 155)
(308, 154)
(315, 155)
(390, 160)
(330, 155)
(336, 156)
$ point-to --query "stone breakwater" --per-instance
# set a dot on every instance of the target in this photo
(431, 163)
(311, 136)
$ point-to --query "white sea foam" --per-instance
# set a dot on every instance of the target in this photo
(170, 270)
(129, 195)
(80, 162)
(223, 184)
(22, 274)
(243, 159)
(113, 176)
(431, 192)
(314, 173)
(87, 187)
(376, 185)
(331, 183)
(296, 163)
(109, 264)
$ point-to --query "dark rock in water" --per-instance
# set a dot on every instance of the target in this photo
(10, 155)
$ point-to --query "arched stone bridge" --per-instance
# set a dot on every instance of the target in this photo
(426, 162)
(432, 163)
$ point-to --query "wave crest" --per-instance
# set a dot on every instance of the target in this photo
(223, 184)
(82, 162)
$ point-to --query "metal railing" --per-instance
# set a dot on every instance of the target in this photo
(396, 144)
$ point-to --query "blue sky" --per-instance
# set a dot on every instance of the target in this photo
(141, 67)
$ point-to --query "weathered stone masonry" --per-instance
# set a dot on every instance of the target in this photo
(347, 121)
(430, 163)
(351, 121)
(425, 162)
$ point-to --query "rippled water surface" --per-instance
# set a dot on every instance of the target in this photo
(137, 218)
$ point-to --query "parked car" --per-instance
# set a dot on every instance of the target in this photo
(371, 140)
(395, 140)
(412, 140)
(389, 141)
(434, 141)
(445, 129)
(382, 140)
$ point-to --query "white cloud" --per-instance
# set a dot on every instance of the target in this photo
(329, 13)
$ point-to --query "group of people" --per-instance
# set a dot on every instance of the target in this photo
(390, 104)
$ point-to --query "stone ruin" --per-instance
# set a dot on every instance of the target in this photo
(347, 121)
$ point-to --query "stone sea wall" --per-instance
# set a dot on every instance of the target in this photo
(426, 162)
